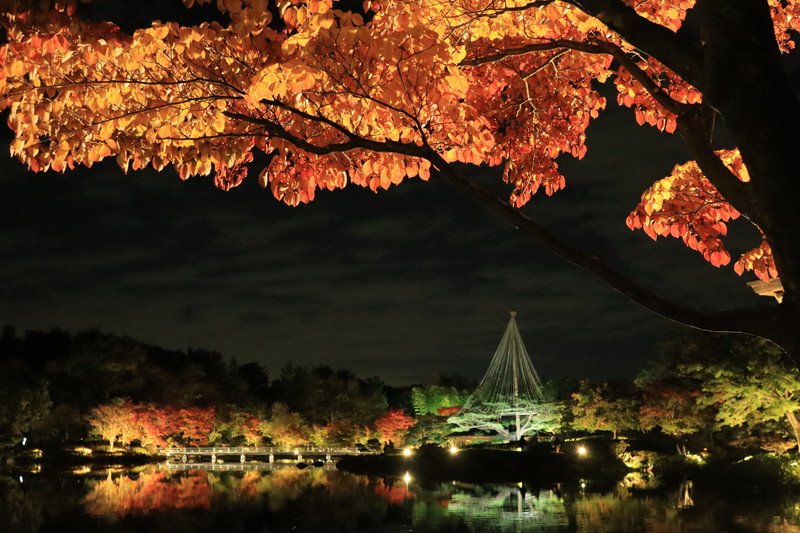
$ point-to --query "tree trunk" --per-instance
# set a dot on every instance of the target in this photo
(111, 445)
(795, 423)
(746, 82)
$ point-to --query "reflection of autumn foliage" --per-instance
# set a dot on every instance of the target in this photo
(393, 493)
(284, 486)
(394, 424)
(119, 496)
(250, 484)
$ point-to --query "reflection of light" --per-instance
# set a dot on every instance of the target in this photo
(81, 470)
(407, 452)
(583, 484)
(453, 450)
(582, 451)
(24, 440)
(20, 479)
(407, 478)
(83, 450)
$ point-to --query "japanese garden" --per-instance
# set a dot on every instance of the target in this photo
(418, 163)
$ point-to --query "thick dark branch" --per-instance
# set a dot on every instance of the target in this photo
(733, 321)
(354, 142)
(739, 194)
(511, 52)
(676, 51)
(593, 47)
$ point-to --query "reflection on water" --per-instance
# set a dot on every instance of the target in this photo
(156, 499)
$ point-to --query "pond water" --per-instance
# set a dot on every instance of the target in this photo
(159, 499)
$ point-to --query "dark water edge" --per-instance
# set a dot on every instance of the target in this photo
(489, 465)
(157, 498)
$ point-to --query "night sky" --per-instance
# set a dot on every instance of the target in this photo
(406, 284)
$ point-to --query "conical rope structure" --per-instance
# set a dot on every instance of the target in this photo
(509, 393)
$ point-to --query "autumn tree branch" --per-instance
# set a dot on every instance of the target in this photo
(734, 321)
(691, 117)
(745, 321)
(680, 52)
(696, 135)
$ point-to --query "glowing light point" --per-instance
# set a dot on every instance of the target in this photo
(453, 450)
(582, 451)
(407, 478)
(407, 452)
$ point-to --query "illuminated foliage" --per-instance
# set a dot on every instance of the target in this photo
(332, 100)
(169, 425)
(434, 398)
(756, 387)
(284, 427)
(674, 409)
(512, 422)
(604, 408)
(114, 421)
(22, 407)
(394, 425)
(236, 428)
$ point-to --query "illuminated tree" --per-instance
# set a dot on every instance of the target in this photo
(753, 388)
(672, 401)
(284, 427)
(394, 425)
(167, 425)
(236, 428)
(428, 87)
(429, 429)
(114, 421)
(604, 408)
(22, 407)
(431, 399)
(535, 417)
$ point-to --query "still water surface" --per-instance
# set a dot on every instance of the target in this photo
(155, 499)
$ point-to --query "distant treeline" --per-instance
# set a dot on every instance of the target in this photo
(52, 384)
(700, 391)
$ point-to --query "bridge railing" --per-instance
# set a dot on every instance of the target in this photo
(234, 467)
(261, 450)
